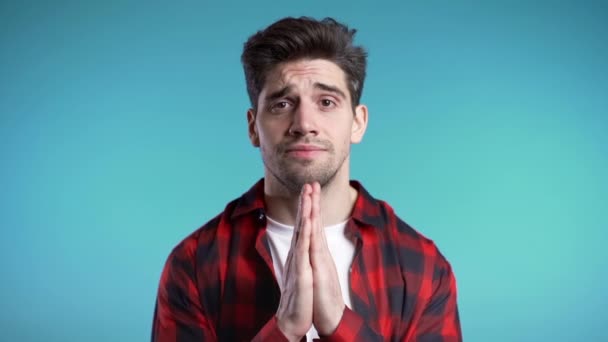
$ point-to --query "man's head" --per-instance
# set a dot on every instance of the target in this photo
(290, 39)
(305, 79)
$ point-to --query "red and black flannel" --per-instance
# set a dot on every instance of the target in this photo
(219, 283)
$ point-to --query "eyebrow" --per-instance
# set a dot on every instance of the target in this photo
(330, 89)
(287, 89)
(278, 94)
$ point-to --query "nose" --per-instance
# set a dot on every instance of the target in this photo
(303, 120)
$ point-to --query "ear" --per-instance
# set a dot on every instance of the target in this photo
(359, 124)
(253, 131)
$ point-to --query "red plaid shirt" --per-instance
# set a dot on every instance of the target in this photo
(219, 283)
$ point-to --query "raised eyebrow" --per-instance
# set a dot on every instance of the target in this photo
(278, 94)
(331, 89)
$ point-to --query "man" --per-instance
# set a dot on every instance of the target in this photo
(306, 253)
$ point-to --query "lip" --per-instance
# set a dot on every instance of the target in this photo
(304, 151)
(304, 148)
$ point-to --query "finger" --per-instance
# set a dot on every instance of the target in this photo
(316, 206)
(304, 227)
(320, 219)
(296, 227)
(302, 249)
(303, 244)
(317, 227)
(296, 233)
(321, 229)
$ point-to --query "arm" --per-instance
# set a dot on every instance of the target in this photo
(435, 316)
(440, 320)
(178, 314)
(352, 327)
(333, 320)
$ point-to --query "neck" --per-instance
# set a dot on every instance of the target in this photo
(337, 200)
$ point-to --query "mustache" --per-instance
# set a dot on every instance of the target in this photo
(284, 146)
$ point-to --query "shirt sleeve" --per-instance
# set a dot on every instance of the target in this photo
(178, 313)
(440, 320)
(352, 327)
(271, 332)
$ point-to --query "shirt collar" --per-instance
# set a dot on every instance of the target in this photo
(367, 210)
(250, 201)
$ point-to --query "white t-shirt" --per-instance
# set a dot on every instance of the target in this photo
(342, 250)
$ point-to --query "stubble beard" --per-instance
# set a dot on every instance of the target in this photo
(294, 174)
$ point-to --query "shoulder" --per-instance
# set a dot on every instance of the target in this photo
(374, 212)
(203, 244)
(203, 239)
(414, 247)
(420, 260)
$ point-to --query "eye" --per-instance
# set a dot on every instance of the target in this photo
(280, 106)
(327, 103)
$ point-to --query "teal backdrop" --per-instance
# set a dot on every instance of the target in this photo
(123, 129)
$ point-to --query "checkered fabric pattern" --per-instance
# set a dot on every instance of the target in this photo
(218, 284)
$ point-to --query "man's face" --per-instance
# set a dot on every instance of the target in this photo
(305, 123)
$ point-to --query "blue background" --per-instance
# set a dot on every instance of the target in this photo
(123, 129)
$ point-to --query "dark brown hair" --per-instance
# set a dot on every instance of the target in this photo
(290, 39)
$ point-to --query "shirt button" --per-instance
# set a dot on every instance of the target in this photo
(261, 216)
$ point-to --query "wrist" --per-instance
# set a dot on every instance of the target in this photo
(332, 323)
(286, 331)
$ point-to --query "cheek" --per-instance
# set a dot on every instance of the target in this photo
(269, 139)
(341, 142)
(271, 130)
(346, 134)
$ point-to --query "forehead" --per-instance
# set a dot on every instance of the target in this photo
(302, 74)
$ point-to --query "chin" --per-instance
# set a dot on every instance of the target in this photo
(301, 179)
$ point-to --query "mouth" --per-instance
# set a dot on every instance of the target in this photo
(305, 151)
